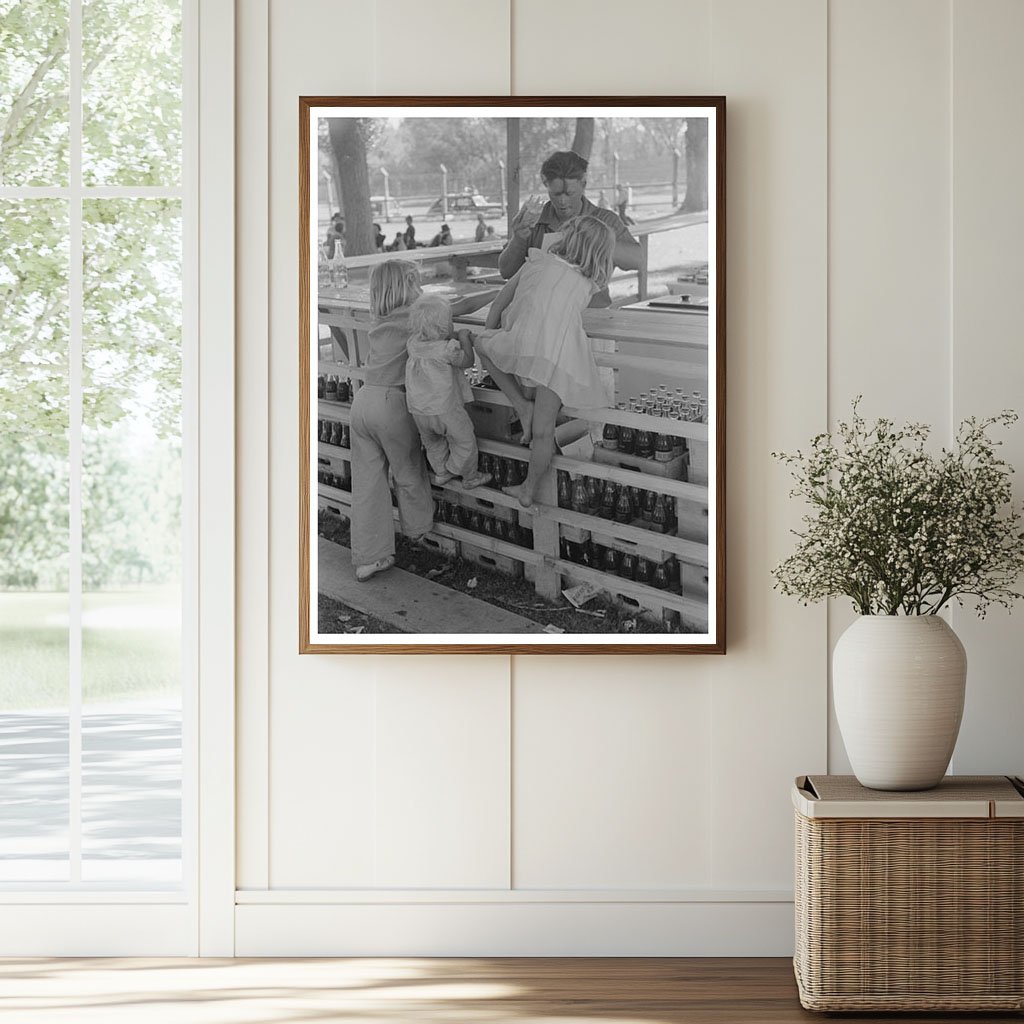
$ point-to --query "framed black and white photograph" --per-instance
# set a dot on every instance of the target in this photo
(512, 375)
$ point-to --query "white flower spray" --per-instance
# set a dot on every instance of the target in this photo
(899, 530)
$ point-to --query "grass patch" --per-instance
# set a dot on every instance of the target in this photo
(130, 647)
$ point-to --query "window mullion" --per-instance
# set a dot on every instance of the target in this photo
(75, 303)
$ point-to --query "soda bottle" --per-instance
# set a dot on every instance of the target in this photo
(475, 522)
(610, 561)
(343, 392)
(643, 571)
(588, 556)
(627, 567)
(565, 490)
(514, 534)
(644, 444)
(609, 501)
(627, 440)
(671, 516)
(663, 448)
(580, 502)
(336, 433)
(610, 436)
(321, 386)
(346, 437)
(595, 492)
(647, 510)
(674, 575)
(623, 507)
(331, 390)
(660, 577)
(659, 517)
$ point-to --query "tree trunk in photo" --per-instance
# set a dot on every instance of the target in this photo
(696, 141)
(350, 153)
(583, 141)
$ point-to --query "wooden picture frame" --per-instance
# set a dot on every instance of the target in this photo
(678, 550)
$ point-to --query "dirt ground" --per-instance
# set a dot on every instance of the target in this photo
(601, 615)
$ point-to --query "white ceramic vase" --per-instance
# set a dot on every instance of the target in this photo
(898, 684)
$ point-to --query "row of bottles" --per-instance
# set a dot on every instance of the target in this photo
(664, 575)
(479, 522)
(608, 500)
(659, 401)
(645, 444)
(342, 480)
(480, 378)
(333, 388)
(504, 472)
(334, 432)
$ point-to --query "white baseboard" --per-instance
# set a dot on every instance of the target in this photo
(99, 928)
(512, 927)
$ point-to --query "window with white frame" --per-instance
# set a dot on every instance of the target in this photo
(95, 454)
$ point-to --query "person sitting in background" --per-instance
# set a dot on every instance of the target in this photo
(491, 236)
(378, 238)
(481, 228)
(335, 236)
(410, 234)
(443, 237)
(398, 245)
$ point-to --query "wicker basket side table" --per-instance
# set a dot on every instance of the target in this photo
(910, 901)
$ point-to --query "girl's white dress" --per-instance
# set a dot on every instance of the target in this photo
(541, 339)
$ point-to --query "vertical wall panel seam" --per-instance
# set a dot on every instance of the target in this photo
(828, 341)
(265, 724)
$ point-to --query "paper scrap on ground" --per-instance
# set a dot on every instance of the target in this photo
(580, 595)
(553, 629)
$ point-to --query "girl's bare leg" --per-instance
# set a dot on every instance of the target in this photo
(509, 387)
(542, 448)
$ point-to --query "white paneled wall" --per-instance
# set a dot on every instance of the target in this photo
(623, 805)
(987, 354)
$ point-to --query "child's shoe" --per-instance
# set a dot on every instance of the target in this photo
(365, 572)
(474, 480)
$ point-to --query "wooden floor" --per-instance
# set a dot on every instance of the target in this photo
(413, 991)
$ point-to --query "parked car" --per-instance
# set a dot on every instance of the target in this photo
(377, 205)
(471, 203)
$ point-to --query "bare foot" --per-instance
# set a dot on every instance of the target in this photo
(526, 420)
(519, 491)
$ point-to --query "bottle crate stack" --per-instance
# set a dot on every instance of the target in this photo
(627, 513)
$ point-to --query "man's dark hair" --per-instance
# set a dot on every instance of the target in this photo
(563, 165)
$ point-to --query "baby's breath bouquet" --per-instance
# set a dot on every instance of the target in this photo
(899, 530)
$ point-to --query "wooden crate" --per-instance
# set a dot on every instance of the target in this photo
(497, 422)
(673, 469)
(489, 558)
(698, 471)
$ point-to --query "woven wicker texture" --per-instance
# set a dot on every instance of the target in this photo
(959, 787)
(912, 914)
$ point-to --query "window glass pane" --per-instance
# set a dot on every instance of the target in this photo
(34, 92)
(131, 541)
(131, 92)
(33, 540)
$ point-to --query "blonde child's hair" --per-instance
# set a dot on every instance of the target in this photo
(588, 243)
(393, 284)
(430, 318)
